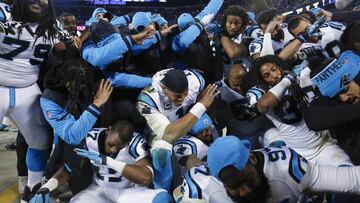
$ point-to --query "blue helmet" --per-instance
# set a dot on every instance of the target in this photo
(228, 151)
(141, 20)
(184, 20)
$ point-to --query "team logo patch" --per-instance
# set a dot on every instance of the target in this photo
(345, 80)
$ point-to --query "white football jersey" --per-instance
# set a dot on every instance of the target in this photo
(107, 177)
(253, 31)
(199, 184)
(330, 41)
(5, 12)
(288, 119)
(284, 169)
(20, 55)
(153, 98)
(256, 45)
(189, 144)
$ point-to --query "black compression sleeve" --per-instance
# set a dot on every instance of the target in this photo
(346, 16)
(325, 114)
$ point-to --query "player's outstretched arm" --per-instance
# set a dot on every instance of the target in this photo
(183, 40)
(331, 179)
(43, 194)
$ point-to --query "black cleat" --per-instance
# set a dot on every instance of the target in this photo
(27, 195)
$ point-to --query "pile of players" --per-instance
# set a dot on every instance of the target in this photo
(254, 108)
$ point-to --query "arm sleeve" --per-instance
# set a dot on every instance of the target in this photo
(331, 179)
(121, 20)
(346, 16)
(213, 7)
(64, 124)
(156, 120)
(107, 51)
(128, 80)
(267, 48)
(321, 116)
(185, 38)
(137, 49)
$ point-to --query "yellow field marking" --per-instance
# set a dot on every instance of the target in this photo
(10, 194)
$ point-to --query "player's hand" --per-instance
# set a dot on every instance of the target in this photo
(326, 13)
(213, 28)
(103, 93)
(272, 25)
(168, 30)
(207, 19)
(41, 196)
(145, 34)
(307, 53)
(292, 77)
(77, 42)
(208, 95)
(312, 31)
(94, 157)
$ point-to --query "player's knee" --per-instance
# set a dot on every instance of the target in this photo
(41, 141)
(36, 159)
(163, 197)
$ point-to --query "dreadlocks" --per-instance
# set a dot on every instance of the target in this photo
(75, 78)
(235, 10)
(47, 23)
(297, 94)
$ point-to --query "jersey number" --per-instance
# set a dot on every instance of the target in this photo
(40, 52)
(205, 172)
(276, 155)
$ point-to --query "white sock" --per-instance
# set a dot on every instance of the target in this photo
(34, 178)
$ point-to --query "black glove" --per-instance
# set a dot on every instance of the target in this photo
(307, 53)
(312, 31)
(242, 111)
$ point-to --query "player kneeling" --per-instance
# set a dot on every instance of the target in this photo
(121, 165)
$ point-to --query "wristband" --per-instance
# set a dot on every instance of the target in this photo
(118, 166)
(52, 184)
(279, 90)
(198, 110)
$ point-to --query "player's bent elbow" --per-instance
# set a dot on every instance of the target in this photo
(146, 178)
(262, 107)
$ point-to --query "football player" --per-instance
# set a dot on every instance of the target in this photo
(275, 174)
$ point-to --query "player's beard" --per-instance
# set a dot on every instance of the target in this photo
(261, 192)
(35, 16)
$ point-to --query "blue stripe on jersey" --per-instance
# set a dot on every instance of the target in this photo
(190, 143)
(12, 98)
(194, 189)
(336, 25)
(143, 97)
(249, 30)
(132, 148)
(295, 170)
(257, 92)
(200, 78)
(2, 16)
(259, 40)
